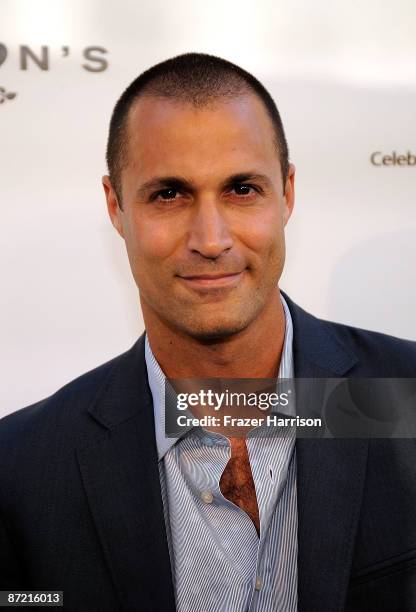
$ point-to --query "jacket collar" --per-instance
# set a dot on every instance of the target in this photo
(126, 392)
(317, 350)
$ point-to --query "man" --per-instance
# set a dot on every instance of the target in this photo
(97, 502)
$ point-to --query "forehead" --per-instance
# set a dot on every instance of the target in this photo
(168, 136)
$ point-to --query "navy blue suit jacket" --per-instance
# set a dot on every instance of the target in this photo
(81, 508)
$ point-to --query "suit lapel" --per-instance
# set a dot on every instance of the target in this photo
(120, 474)
(330, 476)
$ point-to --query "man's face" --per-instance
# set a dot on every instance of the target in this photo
(203, 213)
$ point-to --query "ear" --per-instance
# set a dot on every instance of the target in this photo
(114, 210)
(289, 195)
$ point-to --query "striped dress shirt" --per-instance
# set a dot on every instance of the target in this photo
(219, 563)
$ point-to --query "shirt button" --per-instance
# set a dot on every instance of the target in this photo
(207, 497)
(258, 584)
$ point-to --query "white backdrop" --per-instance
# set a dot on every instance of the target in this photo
(344, 78)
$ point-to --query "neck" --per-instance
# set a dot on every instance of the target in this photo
(252, 353)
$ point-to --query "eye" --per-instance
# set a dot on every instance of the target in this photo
(167, 195)
(244, 189)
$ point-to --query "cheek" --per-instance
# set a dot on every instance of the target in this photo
(264, 236)
(151, 242)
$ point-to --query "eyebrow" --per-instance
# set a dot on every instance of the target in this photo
(180, 183)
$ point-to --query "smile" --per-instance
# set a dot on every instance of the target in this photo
(213, 281)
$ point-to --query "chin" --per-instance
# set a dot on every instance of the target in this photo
(215, 331)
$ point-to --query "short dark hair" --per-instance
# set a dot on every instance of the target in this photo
(196, 78)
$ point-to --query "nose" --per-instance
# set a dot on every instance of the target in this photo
(209, 233)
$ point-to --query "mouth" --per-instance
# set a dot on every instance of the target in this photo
(213, 281)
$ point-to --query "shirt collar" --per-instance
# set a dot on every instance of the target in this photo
(157, 379)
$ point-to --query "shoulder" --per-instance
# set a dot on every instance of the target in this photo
(65, 410)
(370, 354)
(378, 353)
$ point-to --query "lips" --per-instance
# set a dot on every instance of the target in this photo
(210, 276)
(213, 281)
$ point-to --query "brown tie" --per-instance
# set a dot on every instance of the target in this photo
(236, 483)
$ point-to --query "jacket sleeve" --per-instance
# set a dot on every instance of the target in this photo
(10, 576)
